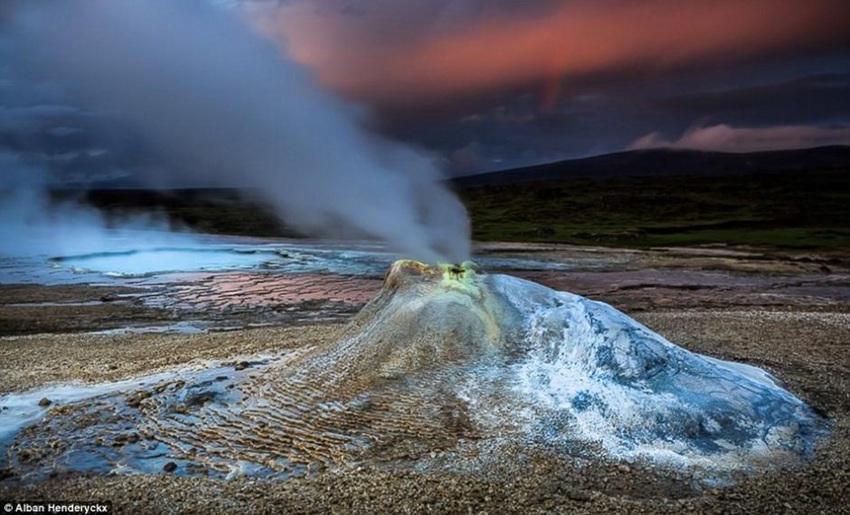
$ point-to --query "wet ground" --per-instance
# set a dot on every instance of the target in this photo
(216, 283)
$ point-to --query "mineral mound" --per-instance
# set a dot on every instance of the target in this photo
(444, 358)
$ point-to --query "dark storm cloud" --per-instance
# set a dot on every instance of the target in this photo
(495, 84)
(514, 130)
(498, 83)
(820, 98)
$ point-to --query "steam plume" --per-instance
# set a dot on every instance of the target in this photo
(32, 224)
(208, 92)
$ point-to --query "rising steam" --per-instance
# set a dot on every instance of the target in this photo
(33, 224)
(214, 97)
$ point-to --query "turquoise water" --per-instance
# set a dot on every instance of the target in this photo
(139, 255)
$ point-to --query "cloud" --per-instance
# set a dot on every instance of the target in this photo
(26, 118)
(398, 51)
(820, 98)
(724, 138)
(576, 77)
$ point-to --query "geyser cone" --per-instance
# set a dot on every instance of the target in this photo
(558, 368)
(426, 318)
(445, 353)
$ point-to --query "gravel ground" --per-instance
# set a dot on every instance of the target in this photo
(34, 360)
(809, 351)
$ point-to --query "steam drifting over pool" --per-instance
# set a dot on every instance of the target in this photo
(221, 106)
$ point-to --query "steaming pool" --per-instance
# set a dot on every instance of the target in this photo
(195, 283)
(139, 256)
(283, 259)
(154, 261)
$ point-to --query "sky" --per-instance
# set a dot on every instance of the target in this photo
(494, 84)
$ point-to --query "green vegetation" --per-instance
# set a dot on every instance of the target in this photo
(796, 209)
(787, 209)
(215, 211)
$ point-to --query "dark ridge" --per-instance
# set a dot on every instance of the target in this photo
(662, 162)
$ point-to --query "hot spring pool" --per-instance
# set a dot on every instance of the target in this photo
(164, 260)
(281, 258)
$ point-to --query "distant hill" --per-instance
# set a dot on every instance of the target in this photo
(661, 162)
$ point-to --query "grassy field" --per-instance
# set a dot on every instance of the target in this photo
(786, 209)
(789, 209)
(215, 211)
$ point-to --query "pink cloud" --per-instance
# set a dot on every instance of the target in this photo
(724, 138)
(402, 50)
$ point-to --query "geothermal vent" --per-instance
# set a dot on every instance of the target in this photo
(444, 354)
